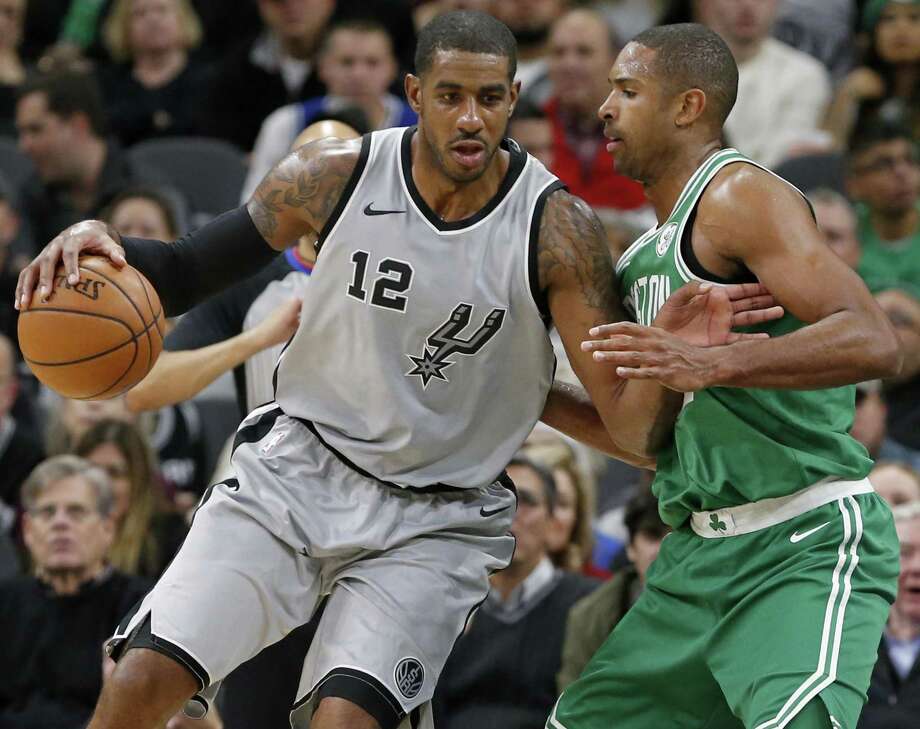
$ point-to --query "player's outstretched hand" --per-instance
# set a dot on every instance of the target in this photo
(83, 238)
(705, 315)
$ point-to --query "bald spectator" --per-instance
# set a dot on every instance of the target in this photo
(894, 691)
(837, 221)
(782, 93)
(582, 51)
(275, 68)
(531, 21)
(20, 450)
(53, 622)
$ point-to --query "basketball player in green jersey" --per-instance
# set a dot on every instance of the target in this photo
(766, 604)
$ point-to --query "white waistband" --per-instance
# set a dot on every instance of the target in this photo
(747, 518)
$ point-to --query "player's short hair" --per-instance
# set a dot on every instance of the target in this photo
(469, 31)
(57, 468)
(691, 56)
(69, 93)
(547, 480)
(641, 515)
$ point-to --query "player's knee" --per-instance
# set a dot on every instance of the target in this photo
(151, 675)
(338, 713)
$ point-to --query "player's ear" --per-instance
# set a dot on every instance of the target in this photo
(692, 106)
(515, 94)
(414, 92)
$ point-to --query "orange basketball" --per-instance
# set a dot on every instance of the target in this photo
(97, 338)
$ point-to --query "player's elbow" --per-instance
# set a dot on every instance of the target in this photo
(887, 354)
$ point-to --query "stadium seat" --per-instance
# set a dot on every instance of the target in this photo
(812, 171)
(208, 172)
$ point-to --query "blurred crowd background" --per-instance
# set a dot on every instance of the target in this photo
(156, 115)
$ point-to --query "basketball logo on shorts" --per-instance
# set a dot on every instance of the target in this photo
(409, 677)
(664, 240)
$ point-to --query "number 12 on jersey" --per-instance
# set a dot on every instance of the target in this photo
(394, 280)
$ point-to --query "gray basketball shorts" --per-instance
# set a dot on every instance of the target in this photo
(403, 571)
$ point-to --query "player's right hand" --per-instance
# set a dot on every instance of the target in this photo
(85, 237)
(280, 325)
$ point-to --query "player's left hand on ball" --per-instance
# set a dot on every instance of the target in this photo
(86, 237)
(705, 315)
(651, 353)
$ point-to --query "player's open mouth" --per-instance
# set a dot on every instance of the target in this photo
(614, 144)
(469, 154)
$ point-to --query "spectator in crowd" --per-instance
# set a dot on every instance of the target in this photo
(894, 692)
(884, 178)
(837, 222)
(582, 50)
(502, 671)
(895, 482)
(20, 450)
(275, 68)
(143, 212)
(156, 88)
(357, 64)
(593, 618)
(886, 86)
(783, 93)
(12, 68)
(823, 30)
(569, 540)
(531, 21)
(53, 622)
(62, 129)
(869, 422)
(148, 531)
(174, 434)
(532, 129)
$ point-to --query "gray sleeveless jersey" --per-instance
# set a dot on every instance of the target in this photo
(424, 356)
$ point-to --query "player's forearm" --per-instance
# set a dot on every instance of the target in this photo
(178, 376)
(185, 272)
(570, 411)
(639, 416)
(842, 349)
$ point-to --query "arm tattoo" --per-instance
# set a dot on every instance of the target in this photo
(304, 187)
(573, 244)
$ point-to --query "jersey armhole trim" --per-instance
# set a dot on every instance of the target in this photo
(533, 246)
(344, 198)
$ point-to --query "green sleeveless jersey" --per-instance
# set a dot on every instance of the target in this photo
(732, 446)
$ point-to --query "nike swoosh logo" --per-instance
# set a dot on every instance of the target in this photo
(370, 211)
(487, 512)
(796, 537)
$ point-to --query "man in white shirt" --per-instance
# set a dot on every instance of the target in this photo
(782, 93)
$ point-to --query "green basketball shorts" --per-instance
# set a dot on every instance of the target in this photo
(744, 629)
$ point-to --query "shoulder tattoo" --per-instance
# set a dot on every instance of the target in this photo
(305, 185)
(573, 246)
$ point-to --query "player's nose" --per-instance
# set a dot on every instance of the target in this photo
(471, 118)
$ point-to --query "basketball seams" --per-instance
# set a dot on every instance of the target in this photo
(146, 328)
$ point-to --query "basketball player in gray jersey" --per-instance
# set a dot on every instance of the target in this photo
(376, 477)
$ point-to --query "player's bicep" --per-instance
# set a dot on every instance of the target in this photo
(772, 232)
(299, 193)
(576, 271)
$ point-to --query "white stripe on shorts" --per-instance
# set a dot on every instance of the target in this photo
(821, 678)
